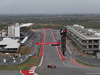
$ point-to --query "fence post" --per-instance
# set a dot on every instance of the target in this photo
(14, 61)
(4, 60)
(21, 59)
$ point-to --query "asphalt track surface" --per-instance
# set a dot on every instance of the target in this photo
(10, 72)
(51, 56)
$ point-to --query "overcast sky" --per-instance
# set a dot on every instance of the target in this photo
(49, 6)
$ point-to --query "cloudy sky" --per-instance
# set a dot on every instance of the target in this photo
(49, 6)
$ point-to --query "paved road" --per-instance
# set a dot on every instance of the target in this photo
(68, 63)
(67, 68)
(9, 72)
(63, 68)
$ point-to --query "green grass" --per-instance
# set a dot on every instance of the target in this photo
(85, 63)
(36, 64)
(23, 65)
(30, 61)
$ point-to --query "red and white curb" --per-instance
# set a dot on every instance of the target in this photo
(42, 50)
(74, 62)
(31, 71)
(40, 62)
(59, 52)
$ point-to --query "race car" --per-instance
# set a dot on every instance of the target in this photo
(51, 66)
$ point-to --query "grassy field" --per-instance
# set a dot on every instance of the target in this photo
(30, 61)
(62, 24)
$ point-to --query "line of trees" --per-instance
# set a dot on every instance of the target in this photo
(59, 20)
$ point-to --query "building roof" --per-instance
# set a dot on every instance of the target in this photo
(26, 25)
(10, 43)
(83, 33)
(24, 39)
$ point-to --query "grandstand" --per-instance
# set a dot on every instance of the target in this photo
(17, 35)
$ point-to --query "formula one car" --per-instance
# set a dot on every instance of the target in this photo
(51, 66)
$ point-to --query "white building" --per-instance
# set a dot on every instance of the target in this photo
(87, 40)
(14, 31)
(9, 45)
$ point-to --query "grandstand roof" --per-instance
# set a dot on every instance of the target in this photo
(26, 25)
(23, 41)
(10, 43)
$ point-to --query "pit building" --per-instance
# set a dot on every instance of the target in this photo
(85, 39)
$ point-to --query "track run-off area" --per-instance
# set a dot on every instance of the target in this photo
(52, 55)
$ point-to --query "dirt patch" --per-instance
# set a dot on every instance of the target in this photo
(24, 50)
